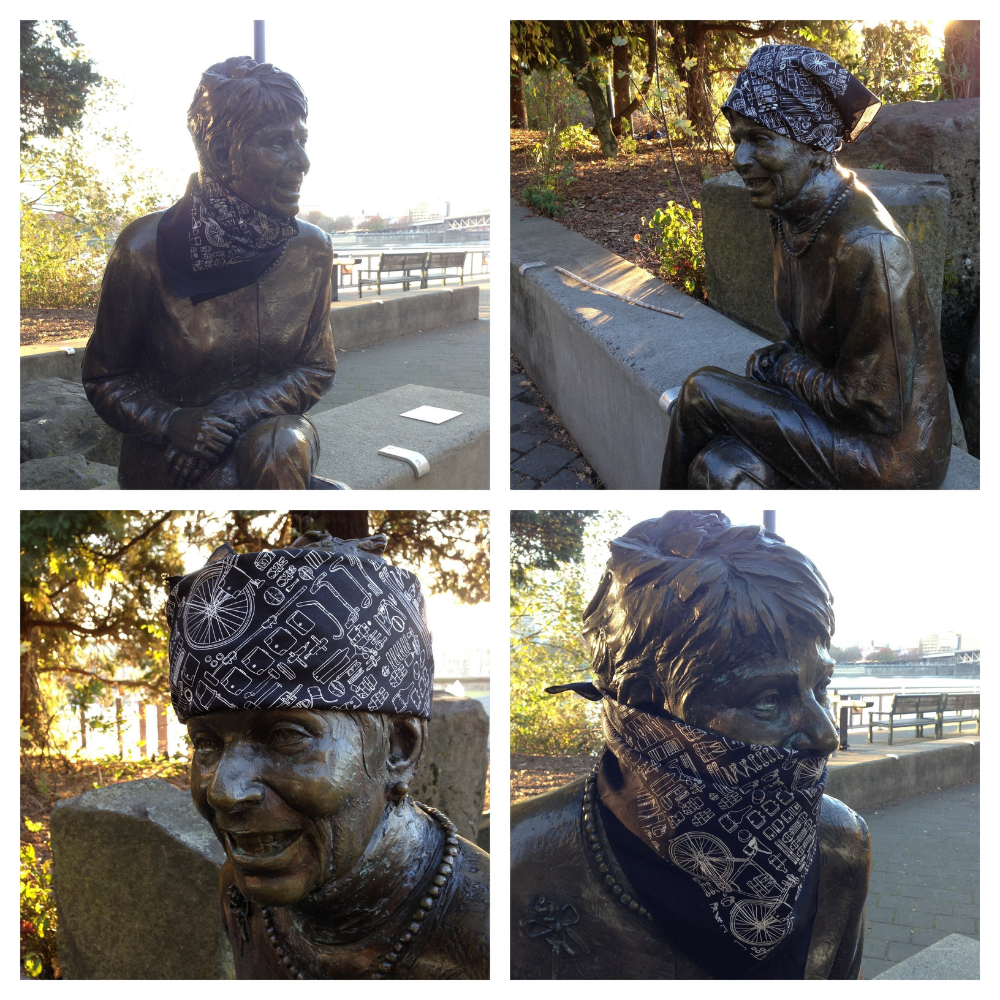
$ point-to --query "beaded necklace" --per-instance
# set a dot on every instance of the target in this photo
(777, 224)
(404, 937)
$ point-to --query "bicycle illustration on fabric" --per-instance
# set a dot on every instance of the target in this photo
(300, 628)
(740, 820)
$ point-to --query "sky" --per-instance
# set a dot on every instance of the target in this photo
(895, 574)
(394, 105)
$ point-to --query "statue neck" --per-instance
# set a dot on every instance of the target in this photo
(399, 857)
(803, 212)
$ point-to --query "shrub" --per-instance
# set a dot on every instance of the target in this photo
(679, 244)
(578, 139)
(38, 913)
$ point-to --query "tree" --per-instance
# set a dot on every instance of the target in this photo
(341, 223)
(850, 654)
(960, 67)
(376, 224)
(545, 540)
(93, 587)
(55, 81)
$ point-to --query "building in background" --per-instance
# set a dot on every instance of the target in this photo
(940, 642)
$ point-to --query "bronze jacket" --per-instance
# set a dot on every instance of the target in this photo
(452, 943)
(866, 351)
(261, 351)
(569, 922)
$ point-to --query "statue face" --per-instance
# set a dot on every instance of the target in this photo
(771, 702)
(267, 169)
(288, 795)
(774, 168)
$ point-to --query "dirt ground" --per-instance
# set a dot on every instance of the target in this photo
(533, 774)
(51, 326)
(608, 198)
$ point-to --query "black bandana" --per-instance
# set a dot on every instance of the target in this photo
(212, 242)
(804, 95)
(311, 628)
(738, 820)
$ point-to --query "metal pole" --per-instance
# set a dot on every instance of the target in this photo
(769, 520)
(258, 41)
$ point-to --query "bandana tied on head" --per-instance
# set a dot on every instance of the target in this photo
(314, 627)
(740, 821)
(212, 242)
(804, 95)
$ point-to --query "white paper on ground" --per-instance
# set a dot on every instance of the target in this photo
(431, 414)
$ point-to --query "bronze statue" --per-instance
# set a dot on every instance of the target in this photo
(856, 396)
(701, 846)
(305, 677)
(213, 333)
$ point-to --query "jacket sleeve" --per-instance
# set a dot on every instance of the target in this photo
(301, 385)
(114, 351)
(870, 387)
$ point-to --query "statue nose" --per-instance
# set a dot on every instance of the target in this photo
(234, 784)
(815, 731)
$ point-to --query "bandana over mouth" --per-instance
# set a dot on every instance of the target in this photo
(213, 242)
(739, 820)
(803, 94)
(316, 627)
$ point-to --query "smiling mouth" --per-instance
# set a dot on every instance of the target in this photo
(756, 185)
(289, 193)
(256, 847)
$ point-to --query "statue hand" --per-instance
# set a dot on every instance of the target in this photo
(201, 433)
(184, 469)
(761, 364)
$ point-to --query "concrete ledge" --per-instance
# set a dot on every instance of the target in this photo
(602, 364)
(458, 450)
(51, 361)
(362, 322)
(868, 777)
(953, 957)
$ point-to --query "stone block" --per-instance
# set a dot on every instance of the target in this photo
(362, 322)
(136, 874)
(739, 274)
(953, 957)
(67, 472)
(458, 450)
(57, 419)
(452, 772)
(937, 137)
(64, 360)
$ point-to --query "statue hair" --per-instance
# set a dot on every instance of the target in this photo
(687, 596)
(238, 97)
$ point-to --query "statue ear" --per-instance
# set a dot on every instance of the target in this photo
(217, 154)
(407, 739)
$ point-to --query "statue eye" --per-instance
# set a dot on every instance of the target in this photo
(287, 736)
(204, 743)
(766, 703)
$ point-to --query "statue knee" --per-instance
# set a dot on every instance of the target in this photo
(279, 453)
(726, 464)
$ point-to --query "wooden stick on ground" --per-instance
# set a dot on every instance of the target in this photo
(615, 295)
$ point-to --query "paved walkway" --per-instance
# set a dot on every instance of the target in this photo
(456, 357)
(543, 456)
(925, 874)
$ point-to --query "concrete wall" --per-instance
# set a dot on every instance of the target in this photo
(362, 322)
(903, 771)
(739, 276)
(602, 364)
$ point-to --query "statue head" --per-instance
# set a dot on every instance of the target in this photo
(726, 628)
(789, 113)
(304, 676)
(248, 122)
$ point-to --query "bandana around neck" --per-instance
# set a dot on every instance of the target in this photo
(317, 628)
(212, 242)
(739, 820)
(803, 94)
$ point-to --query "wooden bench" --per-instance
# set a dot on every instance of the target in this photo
(444, 261)
(915, 705)
(959, 703)
(393, 263)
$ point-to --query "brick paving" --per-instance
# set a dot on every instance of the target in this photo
(543, 455)
(455, 357)
(925, 874)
